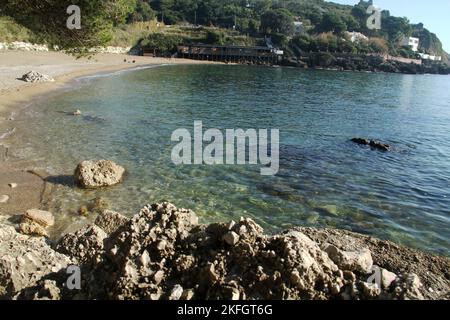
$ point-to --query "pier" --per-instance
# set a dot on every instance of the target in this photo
(231, 54)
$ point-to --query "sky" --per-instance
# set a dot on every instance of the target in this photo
(434, 14)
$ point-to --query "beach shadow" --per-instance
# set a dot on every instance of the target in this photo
(62, 180)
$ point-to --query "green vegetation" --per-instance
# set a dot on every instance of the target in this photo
(131, 22)
(11, 31)
(47, 19)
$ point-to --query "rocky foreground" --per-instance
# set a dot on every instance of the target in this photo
(164, 253)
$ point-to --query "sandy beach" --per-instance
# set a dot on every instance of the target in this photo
(15, 94)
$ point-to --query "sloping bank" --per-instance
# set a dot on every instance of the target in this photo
(163, 253)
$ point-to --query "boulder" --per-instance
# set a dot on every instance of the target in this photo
(44, 218)
(110, 221)
(34, 222)
(31, 228)
(24, 261)
(97, 174)
(231, 238)
(387, 278)
(34, 77)
(410, 287)
(84, 245)
(372, 143)
(358, 261)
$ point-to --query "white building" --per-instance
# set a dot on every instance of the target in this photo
(411, 42)
(425, 56)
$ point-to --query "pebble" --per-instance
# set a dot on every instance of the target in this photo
(77, 113)
(12, 185)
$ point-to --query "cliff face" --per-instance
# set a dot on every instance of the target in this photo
(163, 253)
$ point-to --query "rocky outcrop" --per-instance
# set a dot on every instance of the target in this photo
(362, 62)
(373, 144)
(109, 221)
(34, 77)
(24, 261)
(164, 253)
(97, 174)
(85, 245)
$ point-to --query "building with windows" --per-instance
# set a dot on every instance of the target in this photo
(412, 42)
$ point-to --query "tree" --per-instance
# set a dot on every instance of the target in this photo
(302, 43)
(47, 19)
(277, 21)
(396, 28)
(352, 23)
(378, 45)
(161, 44)
(333, 22)
(143, 12)
(327, 42)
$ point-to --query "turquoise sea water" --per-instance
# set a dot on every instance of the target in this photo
(324, 179)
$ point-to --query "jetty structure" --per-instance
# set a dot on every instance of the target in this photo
(231, 54)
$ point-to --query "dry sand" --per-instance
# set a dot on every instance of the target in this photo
(15, 94)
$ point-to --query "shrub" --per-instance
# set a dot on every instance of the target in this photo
(162, 44)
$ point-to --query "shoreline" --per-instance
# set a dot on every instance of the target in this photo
(16, 95)
(71, 69)
(33, 188)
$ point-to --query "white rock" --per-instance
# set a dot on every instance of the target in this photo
(145, 258)
(235, 294)
(360, 261)
(231, 238)
(44, 218)
(12, 185)
(4, 198)
(176, 292)
(387, 278)
(77, 113)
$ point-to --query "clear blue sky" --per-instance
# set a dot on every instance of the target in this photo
(434, 14)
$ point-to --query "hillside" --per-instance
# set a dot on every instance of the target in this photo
(297, 26)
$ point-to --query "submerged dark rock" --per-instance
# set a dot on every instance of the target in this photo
(372, 143)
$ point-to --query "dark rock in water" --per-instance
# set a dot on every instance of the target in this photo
(372, 143)
(362, 141)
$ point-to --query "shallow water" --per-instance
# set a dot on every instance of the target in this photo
(324, 179)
